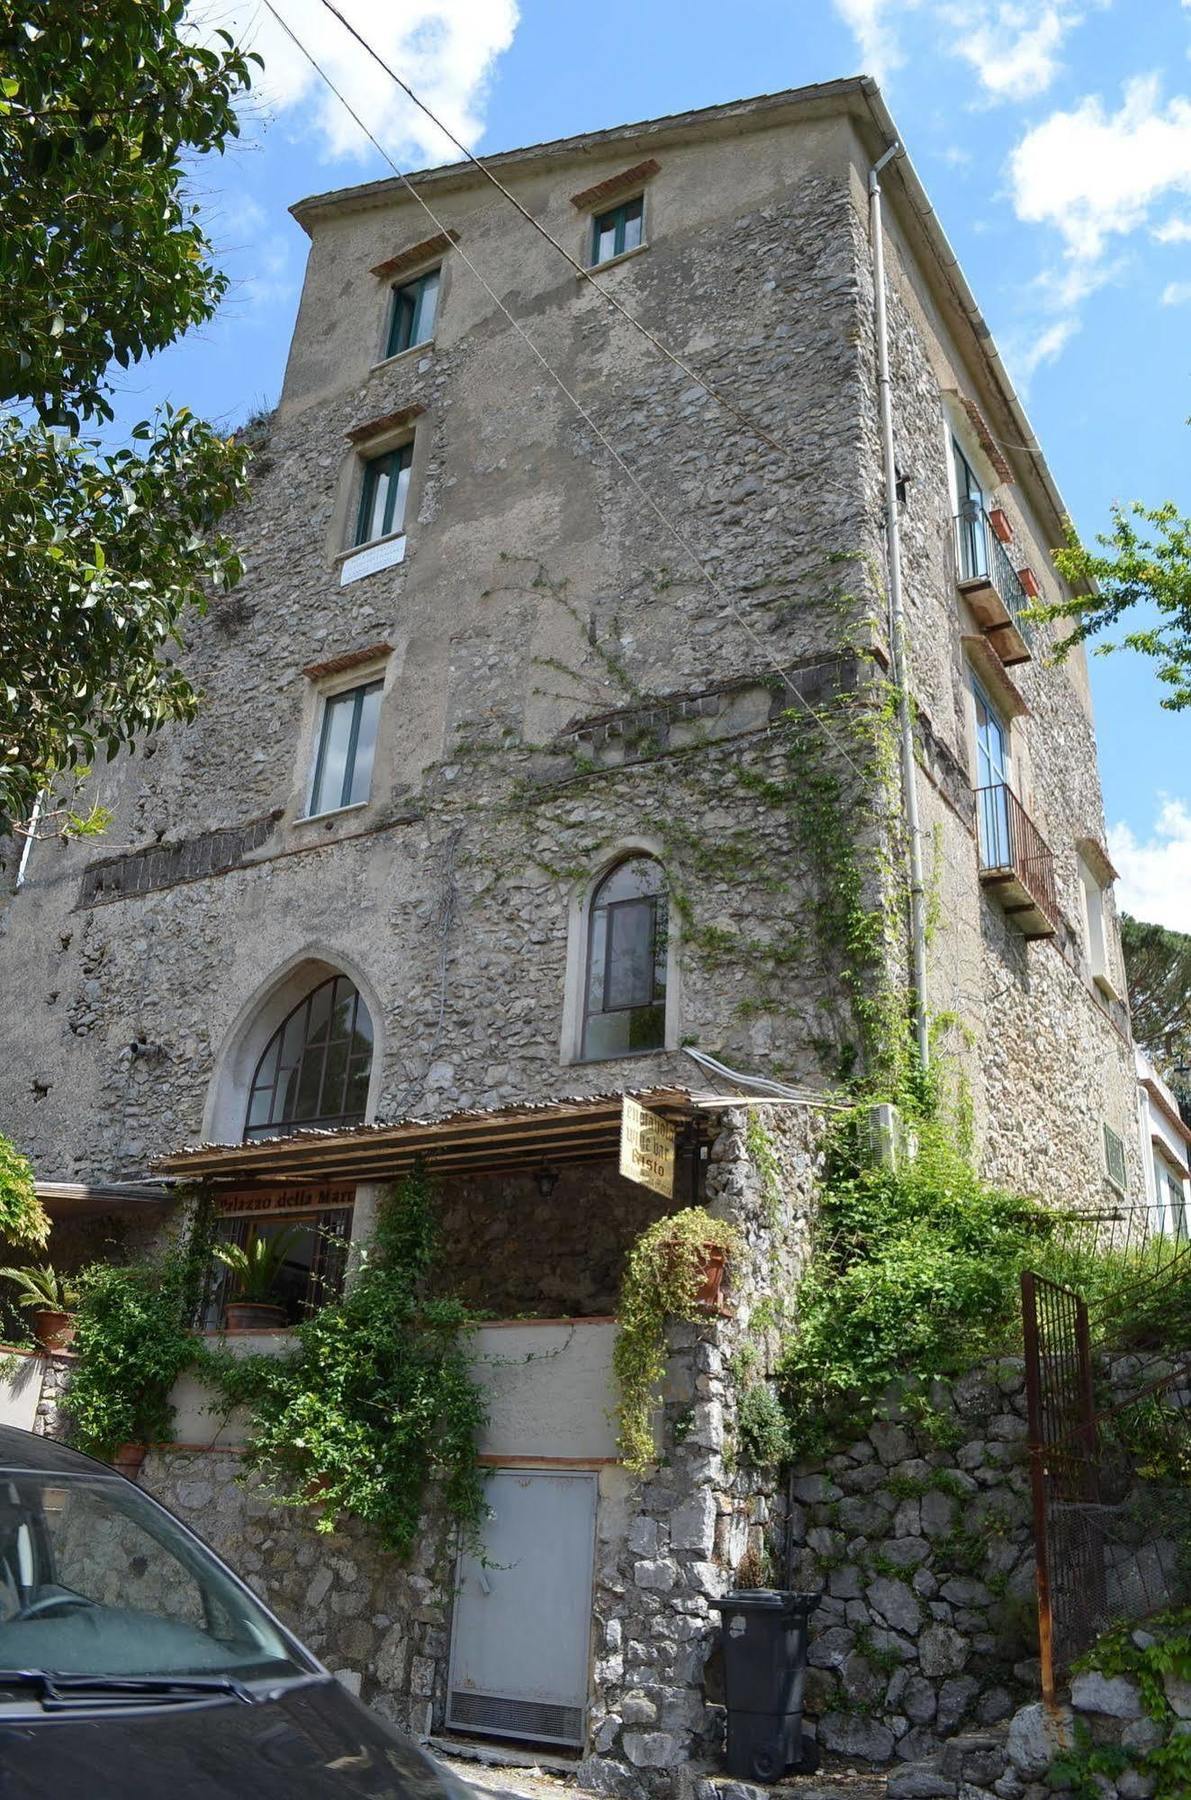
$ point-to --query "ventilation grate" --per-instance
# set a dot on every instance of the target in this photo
(541, 1719)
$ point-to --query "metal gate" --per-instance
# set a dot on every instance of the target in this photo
(521, 1639)
(1110, 1453)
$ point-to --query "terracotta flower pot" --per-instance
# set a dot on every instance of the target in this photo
(1029, 581)
(712, 1264)
(712, 1274)
(53, 1330)
(253, 1315)
(1000, 523)
(128, 1459)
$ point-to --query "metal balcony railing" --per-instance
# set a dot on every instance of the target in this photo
(1016, 857)
(981, 558)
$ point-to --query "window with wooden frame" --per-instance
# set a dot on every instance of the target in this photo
(342, 773)
(383, 494)
(619, 229)
(627, 941)
(415, 306)
(311, 1273)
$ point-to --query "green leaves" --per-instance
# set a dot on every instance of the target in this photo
(101, 560)
(102, 262)
(100, 100)
(22, 1217)
(1133, 568)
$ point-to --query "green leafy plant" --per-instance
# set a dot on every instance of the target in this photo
(257, 1265)
(41, 1289)
(377, 1403)
(663, 1275)
(915, 1273)
(103, 105)
(133, 1338)
(1165, 1649)
(761, 1427)
(22, 1217)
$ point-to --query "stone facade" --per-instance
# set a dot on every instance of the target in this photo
(561, 685)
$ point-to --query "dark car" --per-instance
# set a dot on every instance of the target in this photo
(133, 1663)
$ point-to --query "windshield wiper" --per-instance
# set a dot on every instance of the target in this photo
(64, 1693)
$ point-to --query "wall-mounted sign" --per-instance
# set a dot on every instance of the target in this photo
(647, 1147)
(283, 1199)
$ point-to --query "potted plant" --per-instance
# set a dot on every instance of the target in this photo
(255, 1267)
(675, 1270)
(50, 1299)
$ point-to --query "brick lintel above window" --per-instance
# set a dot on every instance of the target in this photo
(417, 253)
(388, 422)
(351, 659)
(595, 196)
(988, 442)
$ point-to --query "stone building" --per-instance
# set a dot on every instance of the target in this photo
(543, 744)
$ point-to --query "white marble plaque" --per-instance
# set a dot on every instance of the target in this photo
(371, 557)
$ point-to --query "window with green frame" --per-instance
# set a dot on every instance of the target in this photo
(346, 746)
(383, 494)
(415, 304)
(619, 230)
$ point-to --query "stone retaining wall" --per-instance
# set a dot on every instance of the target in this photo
(919, 1534)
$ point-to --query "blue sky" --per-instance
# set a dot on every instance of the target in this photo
(1054, 137)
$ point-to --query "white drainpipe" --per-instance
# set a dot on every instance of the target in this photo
(897, 636)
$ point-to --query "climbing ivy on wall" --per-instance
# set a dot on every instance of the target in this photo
(377, 1404)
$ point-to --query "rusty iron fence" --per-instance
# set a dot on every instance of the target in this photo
(1109, 1416)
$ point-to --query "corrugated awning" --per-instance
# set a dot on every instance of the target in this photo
(581, 1128)
(78, 1199)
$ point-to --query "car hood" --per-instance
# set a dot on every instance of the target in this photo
(313, 1742)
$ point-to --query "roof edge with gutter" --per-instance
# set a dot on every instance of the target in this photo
(855, 96)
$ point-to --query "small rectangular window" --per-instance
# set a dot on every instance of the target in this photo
(383, 495)
(619, 230)
(1114, 1159)
(346, 745)
(1094, 926)
(415, 304)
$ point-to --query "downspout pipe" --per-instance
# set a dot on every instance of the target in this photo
(897, 626)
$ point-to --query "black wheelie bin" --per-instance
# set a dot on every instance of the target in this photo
(764, 1638)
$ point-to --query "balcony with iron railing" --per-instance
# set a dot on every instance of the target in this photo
(1015, 861)
(991, 585)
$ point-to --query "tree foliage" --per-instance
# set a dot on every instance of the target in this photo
(103, 261)
(1158, 970)
(22, 1217)
(1144, 560)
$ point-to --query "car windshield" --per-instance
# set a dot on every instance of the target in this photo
(96, 1580)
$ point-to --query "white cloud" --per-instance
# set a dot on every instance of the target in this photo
(1174, 231)
(873, 25)
(1012, 49)
(1011, 46)
(1176, 293)
(1093, 175)
(1155, 879)
(445, 49)
(1027, 352)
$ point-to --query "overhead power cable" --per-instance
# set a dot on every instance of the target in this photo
(668, 525)
(586, 274)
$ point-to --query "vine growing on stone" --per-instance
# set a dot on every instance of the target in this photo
(376, 1409)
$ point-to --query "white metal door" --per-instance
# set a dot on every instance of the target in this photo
(522, 1630)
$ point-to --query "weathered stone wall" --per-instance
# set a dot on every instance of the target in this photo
(1045, 1056)
(919, 1534)
(507, 1251)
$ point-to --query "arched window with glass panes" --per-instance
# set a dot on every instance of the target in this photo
(314, 1069)
(624, 999)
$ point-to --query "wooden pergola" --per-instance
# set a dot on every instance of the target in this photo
(504, 1139)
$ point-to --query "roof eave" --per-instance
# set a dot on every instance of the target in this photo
(823, 97)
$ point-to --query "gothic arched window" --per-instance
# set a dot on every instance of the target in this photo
(314, 1069)
(624, 1000)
